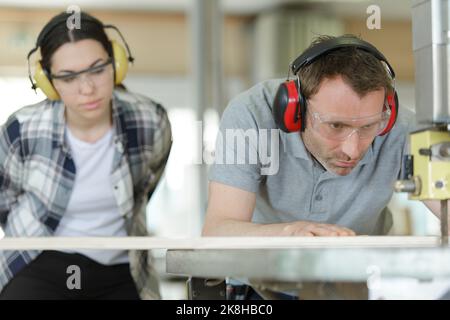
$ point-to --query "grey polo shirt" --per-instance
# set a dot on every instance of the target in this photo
(296, 187)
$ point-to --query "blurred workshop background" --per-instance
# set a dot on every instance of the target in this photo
(192, 56)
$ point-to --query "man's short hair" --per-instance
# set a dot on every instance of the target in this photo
(362, 71)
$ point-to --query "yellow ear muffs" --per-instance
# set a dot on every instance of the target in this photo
(120, 62)
(42, 82)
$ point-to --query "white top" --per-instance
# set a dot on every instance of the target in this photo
(92, 210)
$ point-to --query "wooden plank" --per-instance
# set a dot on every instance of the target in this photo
(147, 243)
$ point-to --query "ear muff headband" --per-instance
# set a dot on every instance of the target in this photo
(41, 77)
(283, 105)
(325, 47)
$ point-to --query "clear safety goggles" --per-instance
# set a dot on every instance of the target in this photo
(98, 75)
(341, 128)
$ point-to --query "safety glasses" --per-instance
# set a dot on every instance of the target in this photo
(97, 75)
(341, 128)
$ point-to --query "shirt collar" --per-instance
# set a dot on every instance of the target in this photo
(59, 123)
(118, 117)
(294, 145)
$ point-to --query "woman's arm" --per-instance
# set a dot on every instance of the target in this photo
(11, 168)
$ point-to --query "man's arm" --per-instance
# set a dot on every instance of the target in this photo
(230, 212)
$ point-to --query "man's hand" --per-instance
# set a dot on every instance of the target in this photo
(311, 229)
(230, 213)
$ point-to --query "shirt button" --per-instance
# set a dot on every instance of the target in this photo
(319, 197)
(119, 146)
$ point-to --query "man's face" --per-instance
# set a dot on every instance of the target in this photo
(341, 106)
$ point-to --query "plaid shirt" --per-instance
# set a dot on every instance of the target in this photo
(37, 175)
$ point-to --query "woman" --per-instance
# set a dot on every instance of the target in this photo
(83, 162)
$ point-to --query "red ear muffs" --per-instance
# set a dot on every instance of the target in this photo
(392, 101)
(289, 107)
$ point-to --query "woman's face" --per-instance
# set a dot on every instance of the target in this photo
(86, 95)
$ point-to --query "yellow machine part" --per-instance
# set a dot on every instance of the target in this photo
(434, 175)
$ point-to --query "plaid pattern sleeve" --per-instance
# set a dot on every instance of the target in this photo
(37, 174)
(11, 164)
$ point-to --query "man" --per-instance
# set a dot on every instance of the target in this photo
(337, 165)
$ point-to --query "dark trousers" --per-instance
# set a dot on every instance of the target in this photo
(59, 275)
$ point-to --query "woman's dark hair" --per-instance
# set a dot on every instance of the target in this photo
(56, 33)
